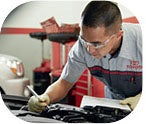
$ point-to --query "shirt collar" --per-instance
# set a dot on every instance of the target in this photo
(127, 48)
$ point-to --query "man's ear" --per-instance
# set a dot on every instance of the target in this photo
(119, 34)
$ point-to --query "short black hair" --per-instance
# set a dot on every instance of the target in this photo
(101, 13)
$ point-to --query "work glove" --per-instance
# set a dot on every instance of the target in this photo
(38, 104)
(131, 101)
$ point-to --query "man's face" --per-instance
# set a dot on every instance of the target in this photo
(96, 42)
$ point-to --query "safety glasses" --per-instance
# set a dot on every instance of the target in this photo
(95, 44)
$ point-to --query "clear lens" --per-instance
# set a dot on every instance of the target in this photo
(20, 69)
(96, 44)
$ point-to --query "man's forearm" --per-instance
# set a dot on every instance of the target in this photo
(58, 90)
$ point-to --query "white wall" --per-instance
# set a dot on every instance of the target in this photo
(29, 15)
(32, 13)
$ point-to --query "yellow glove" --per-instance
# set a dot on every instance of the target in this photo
(131, 101)
(38, 104)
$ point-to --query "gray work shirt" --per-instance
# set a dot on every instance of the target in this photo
(121, 73)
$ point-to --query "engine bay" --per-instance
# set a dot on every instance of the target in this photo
(64, 113)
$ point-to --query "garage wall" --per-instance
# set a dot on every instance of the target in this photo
(15, 40)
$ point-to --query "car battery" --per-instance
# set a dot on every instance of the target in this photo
(41, 79)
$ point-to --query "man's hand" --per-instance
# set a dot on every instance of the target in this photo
(38, 104)
(131, 101)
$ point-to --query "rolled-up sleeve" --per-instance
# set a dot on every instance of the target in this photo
(75, 64)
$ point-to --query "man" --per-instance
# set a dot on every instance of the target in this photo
(109, 49)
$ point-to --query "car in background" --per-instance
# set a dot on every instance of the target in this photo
(12, 80)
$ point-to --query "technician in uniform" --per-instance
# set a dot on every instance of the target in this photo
(110, 49)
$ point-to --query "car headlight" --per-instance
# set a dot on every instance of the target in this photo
(16, 66)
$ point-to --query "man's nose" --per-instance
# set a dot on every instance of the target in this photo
(91, 50)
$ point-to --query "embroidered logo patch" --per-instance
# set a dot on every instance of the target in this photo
(134, 65)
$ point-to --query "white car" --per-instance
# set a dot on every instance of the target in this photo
(12, 80)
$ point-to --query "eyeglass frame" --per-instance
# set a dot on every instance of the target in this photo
(96, 44)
